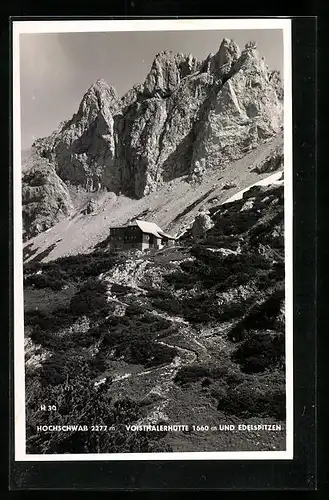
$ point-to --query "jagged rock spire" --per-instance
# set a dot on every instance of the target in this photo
(227, 55)
(167, 71)
(99, 95)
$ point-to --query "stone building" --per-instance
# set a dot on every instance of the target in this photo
(141, 235)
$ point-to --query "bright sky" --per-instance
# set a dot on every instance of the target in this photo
(57, 69)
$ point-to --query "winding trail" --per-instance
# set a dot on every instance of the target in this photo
(185, 355)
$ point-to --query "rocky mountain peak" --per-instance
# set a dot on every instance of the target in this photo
(98, 97)
(167, 71)
(245, 110)
(133, 95)
(186, 113)
(227, 55)
(251, 61)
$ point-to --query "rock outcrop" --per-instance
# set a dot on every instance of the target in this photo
(272, 162)
(168, 70)
(245, 111)
(201, 225)
(82, 149)
(226, 57)
(45, 199)
(187, 113)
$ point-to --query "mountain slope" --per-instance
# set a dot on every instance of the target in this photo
(189, 335)
(192, 334)
(173, 207)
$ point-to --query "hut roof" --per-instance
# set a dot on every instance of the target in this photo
(152, 228)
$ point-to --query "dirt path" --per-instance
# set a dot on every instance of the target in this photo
(185, 355)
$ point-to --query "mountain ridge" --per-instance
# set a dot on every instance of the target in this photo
(189, 117)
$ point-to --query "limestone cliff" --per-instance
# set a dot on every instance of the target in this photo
(186, 113)
(45, 199)
(245, 111)
(82, 149)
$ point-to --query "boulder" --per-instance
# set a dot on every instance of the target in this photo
(201, 225)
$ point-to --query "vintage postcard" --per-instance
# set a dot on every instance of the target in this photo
(153, 239)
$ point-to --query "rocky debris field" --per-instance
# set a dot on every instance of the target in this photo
(173, 207)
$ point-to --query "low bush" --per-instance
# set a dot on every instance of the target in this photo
(53, 372)
(236, 222)
(49, 322)
(206, 382)
(142, 351)
(132, 338)
(191, 373)
(75, 268)
(80, 403)
(133, 310)
(254, 399)
(207, 373)
(65, 366)
(168, 304)
(204, 308)
(212, 269)
(259, 317)
(90, 299)
(260, 351)
(40, 281)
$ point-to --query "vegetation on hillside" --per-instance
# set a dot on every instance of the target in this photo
(80, 403)
(233, 276)
(75, 268)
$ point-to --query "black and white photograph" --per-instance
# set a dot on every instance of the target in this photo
(153, 239)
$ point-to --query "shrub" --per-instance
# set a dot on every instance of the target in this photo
(190, 374)
(144, 352)
(75, 268)
(260, 352)
(259, 317)
(59, 367)
(206, 382)
(195, 372)
(131, 337)
(250, 400)
(235, 222)
(168, 304)
(82, 404)
(40, 281)
(90, 299)
(49, 322)
(98, 363)
(133, 310)
(234, 378)
(53, 372)
(214, 269)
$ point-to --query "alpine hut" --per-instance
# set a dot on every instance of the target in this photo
(141, 235)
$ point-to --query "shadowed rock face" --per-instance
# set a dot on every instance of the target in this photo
(45, 198)
(186, 112)
(227, 55)
(82, 149)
